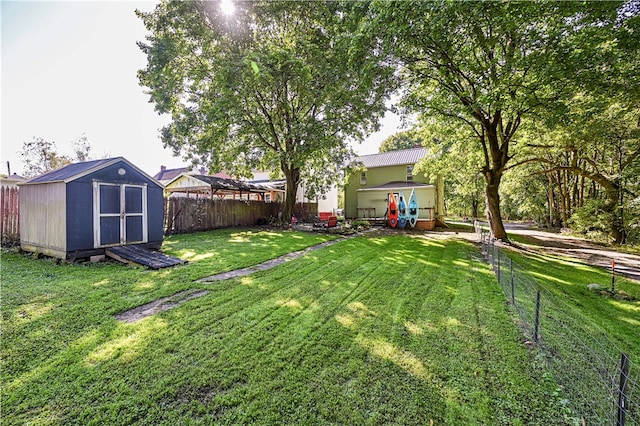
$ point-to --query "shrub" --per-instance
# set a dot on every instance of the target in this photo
(360, 224)
(591, 219)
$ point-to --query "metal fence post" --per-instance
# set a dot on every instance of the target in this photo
(498, 273)
(537, 321)
(485, 248)
(493, 253)
(513, 288)
(622, 389)
(613, 276)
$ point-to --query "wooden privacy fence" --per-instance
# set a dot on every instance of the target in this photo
(9, 215)
(186, 215)
(182, 215)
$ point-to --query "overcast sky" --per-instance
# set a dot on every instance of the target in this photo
(69, 68)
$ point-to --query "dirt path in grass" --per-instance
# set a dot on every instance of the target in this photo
(268, 264)
(170, 302)
(557, 244)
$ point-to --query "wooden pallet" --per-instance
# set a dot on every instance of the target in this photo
(142, 256)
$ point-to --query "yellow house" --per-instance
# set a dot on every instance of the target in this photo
(367, 188)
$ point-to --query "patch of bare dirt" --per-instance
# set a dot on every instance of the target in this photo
(160, 305)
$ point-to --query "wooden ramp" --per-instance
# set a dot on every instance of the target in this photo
(142, 256)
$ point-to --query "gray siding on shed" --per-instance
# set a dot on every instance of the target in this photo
(43, 218)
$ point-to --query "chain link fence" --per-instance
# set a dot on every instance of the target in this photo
(599, 383)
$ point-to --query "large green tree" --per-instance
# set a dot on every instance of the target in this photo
(275, 86)
(490, 65)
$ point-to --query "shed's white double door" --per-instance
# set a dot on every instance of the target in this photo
(120, 214)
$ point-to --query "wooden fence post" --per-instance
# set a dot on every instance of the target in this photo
(9, 214)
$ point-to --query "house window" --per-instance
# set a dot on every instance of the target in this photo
(410, 173)
(363, 178)
(267, 197)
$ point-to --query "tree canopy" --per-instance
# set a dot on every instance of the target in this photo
(274, 87)
(488, 64)
(550, 89)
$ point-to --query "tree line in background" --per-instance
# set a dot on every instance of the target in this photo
(532, 110)
(40, 155)
(530, 107)
(583, 175)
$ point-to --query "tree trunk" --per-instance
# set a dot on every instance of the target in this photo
(618, 233)
(292, 176)
(563, 199)
(492, 197)
(552, 206)
(474, 206)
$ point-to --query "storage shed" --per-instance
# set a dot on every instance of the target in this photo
(83, 208)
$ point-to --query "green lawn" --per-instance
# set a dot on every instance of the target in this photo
(568, 279)
(371, 330)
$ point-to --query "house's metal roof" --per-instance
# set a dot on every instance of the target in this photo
(13, 178)
(71, 171)
(397, 185)
(393, 158)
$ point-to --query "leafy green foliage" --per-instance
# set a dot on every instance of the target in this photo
(368, 331)
(592, 220)
(402, 140)
(477, 62)
(524, 195)
(593, 154)
(492, 66)
(276, 87)
(453, 153)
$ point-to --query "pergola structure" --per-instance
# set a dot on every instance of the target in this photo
(221, 188)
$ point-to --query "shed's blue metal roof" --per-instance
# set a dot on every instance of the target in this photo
(70, 171)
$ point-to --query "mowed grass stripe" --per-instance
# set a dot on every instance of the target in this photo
(369, 331)
(356, 373)
(287, 299)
